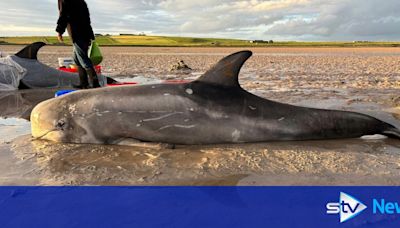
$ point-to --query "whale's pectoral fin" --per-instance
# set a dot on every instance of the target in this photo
(392, 132)
(111, 80)
(22, 85)
(226, 71)
(30, 51)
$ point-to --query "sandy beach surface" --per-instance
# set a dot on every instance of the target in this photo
(365, 80)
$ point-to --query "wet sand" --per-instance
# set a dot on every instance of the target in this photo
(357, 79)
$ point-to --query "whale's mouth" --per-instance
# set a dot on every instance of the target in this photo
(52, 135)
(47, 124)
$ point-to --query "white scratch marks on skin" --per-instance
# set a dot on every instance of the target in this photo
(162, 112)
(184, 126)
(165, 127)
(281, 119)
(189, 91)
(72, 109)
(177, 126)
(252, 108)
(120, 113)
(102, 113)
(236, 136)
(144, 112)
(140, 112)
(160, 118)
(216, 115)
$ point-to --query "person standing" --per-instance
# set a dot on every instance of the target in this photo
(75, 16)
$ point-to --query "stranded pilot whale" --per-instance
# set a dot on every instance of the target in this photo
(39, 75)
(213, 109)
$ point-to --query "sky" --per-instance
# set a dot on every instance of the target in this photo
(301, 20)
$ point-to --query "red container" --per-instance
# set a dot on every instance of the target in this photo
(70, 70)
(123, 84)
(98, 71)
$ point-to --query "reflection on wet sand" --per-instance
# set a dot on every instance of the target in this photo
(19, 104)
(15, 111)
(337, 162)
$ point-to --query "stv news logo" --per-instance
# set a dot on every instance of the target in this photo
(348, 207)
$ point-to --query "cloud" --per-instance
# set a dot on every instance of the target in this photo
(344, 19)
(249, 19)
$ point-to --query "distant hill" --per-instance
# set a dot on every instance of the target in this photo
(165, 41)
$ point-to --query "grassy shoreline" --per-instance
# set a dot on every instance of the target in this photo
(164, 41)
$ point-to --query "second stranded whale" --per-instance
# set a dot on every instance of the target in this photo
(213, 109)
(39, 75)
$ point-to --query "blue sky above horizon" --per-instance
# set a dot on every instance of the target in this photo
(303, 20)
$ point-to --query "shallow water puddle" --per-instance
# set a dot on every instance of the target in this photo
(334, 162)
(12, 128)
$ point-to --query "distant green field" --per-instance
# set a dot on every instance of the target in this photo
(164, 41)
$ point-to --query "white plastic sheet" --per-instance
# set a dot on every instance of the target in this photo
(11, 74)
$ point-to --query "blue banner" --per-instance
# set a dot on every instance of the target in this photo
(199, 207)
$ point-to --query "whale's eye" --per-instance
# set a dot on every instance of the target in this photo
(60, 125)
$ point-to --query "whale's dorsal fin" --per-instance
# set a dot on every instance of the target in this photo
(30, 51)
(226, 71)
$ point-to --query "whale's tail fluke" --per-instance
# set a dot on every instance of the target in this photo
(392, 132)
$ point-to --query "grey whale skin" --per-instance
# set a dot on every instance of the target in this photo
(40, 75)
(213, 109)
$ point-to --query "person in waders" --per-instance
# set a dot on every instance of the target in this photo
(75, 16)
